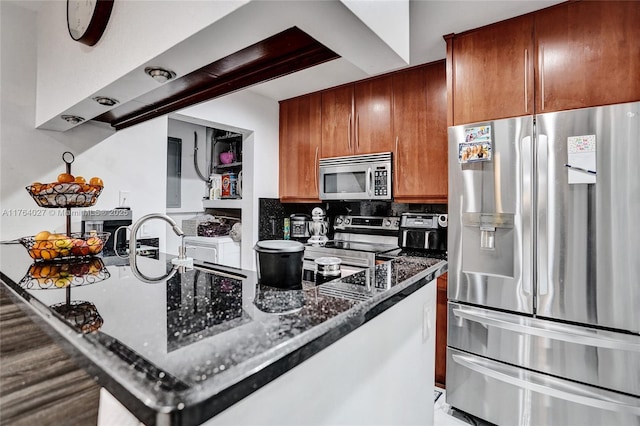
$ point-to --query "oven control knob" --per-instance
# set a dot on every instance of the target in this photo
(395, 223)
(387, 222)
(338, 220)
(347, 221)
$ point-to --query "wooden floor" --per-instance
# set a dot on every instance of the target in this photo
(39, 383)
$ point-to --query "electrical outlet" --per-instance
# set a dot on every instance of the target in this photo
(124, 199)
(426, 322)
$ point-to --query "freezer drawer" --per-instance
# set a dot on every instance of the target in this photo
(602, 358)
(508, 395)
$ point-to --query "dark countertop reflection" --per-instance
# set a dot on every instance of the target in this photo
(194, 344)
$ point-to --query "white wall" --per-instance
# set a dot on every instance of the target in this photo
(133, 160)
(191, 186)
(259, 115)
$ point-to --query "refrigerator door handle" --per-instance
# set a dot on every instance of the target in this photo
(544, 384)
(564, 333)
(526, 182)
(542, 276)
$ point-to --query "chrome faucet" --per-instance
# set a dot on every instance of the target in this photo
(181, 263)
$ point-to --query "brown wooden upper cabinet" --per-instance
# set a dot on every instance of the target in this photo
(588, 54)
(492, 71)
(404, 112)
(573, 55)
(420, 133)
(300, 137)
(357, 118)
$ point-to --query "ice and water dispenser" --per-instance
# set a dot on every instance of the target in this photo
(488, 243)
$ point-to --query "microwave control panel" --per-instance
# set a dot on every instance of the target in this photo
(381, 182)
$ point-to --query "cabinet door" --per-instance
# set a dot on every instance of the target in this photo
(337, 122)
(300, 137)
(441, 332)
(420, 128)
(493, 71)
(588, 54)
(373, 121)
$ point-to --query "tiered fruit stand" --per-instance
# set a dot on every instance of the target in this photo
(65, 261)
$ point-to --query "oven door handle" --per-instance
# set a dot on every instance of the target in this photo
(369, 179)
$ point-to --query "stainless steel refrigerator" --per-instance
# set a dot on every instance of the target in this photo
(544, 268)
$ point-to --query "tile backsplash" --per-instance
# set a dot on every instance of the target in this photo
(272, 212)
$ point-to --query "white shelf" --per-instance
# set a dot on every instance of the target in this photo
(222, 204)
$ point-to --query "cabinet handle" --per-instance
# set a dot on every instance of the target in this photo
(357, 132)
(526, 83)
(349, 134)
(542, 76)
(397, 165)
(317, 167)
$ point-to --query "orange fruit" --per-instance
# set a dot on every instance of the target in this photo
(45, 271)
(65, 178)
(48, 254)
(36, 187)
(80, 179)
(42, 235)
(96, 181)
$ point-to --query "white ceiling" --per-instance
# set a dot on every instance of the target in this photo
(429, 21)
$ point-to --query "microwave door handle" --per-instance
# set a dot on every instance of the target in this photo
(369, 179)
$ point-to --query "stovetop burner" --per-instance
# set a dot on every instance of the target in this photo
(399, 252)
(359, 246)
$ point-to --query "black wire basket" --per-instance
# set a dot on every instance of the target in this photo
(58, 195)
(70, 273)
(59, 247)
(82, 315)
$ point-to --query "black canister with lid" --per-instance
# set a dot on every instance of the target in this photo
(279, 263)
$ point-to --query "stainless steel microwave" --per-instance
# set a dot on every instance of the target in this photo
(356, 177)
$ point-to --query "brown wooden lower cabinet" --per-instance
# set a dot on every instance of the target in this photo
(441, 332)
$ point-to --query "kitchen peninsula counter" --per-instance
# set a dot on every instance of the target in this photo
(185, 349)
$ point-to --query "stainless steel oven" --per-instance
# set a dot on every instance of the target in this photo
(357, 240)
(356, 177)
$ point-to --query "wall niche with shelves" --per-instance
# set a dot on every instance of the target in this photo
(227, 150)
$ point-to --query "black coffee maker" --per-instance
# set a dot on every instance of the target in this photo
(425, 232)
(299, 227)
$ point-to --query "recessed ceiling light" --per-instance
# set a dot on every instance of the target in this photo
(73, 119)
(160, 75)
(103, 100)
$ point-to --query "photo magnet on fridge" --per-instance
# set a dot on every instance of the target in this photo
(476, 146)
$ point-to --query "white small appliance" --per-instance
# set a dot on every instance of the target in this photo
(219, 250)
(318, 227)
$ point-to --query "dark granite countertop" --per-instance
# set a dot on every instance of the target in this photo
(185, 348)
